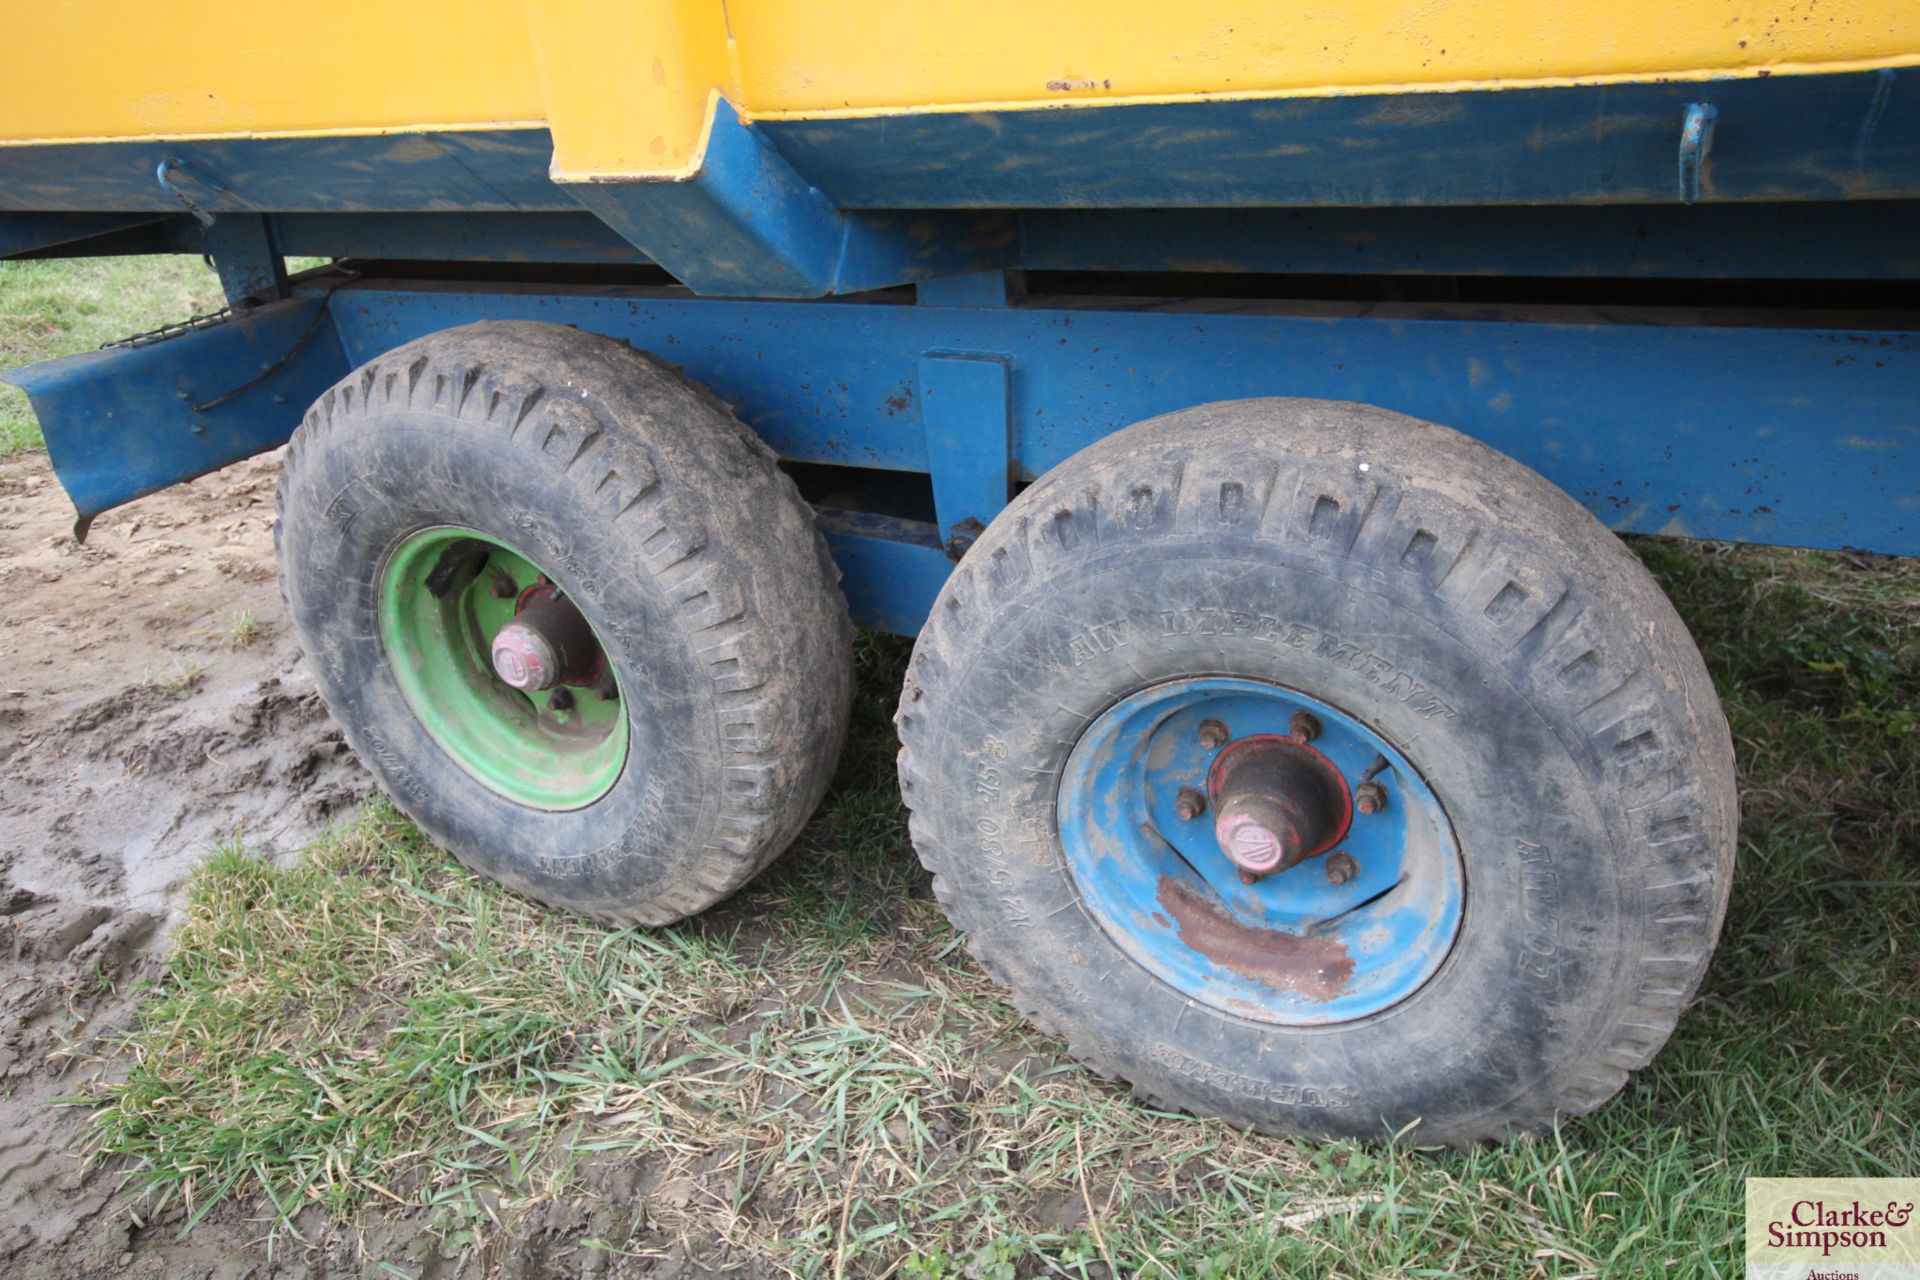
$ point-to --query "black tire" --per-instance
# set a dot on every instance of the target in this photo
(667, 522)
(1582, 755)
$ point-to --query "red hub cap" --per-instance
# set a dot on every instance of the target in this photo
(548, 643)
(1276, 803)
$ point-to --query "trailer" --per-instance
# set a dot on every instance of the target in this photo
(1239, 403)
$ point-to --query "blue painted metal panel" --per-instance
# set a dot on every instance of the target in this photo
(891, 570)
(748, 225)
(1847, 135)
(453, 170)
(127, 421)
(1830, 240)
(1795, 436)
(1851, 135)
(963, 412)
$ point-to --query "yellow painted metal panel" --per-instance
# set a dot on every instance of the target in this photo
(628, 84)
(867, 56)
(84, 69)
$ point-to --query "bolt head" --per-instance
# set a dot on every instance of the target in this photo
(1213, 734)
(1190, 803)
(562, 699)
(1369, 797)
(1341, 867)
(1304, 727)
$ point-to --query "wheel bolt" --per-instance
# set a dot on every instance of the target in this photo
(1369, 797)
(1190, 803)
(503, 586)
(1213, 734)
(1304, 727)
(562, 699)
(1341, 867)
(606, 690)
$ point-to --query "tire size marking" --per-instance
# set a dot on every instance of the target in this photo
(1539, 909)
(1369, 666)
(993, 860)
(1171, 1060)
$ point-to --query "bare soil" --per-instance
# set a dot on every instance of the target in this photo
(152, 704)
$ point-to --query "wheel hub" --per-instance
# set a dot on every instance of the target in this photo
(490, 654)
(548, 643)
(1276, 803)
(1212, 828)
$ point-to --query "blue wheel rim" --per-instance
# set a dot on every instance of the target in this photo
(1294, 947)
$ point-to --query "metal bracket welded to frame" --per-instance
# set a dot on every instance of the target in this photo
(967, 419)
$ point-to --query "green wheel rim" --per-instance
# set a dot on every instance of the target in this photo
(443, 597)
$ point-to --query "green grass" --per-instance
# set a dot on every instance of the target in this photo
(814, 1075)
(63, 307)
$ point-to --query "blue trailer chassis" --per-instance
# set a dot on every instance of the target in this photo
(1801, 434)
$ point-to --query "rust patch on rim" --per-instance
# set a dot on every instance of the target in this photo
(1317, 968)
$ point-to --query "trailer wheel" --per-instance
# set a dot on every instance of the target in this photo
(1325, 771)
(569, 613)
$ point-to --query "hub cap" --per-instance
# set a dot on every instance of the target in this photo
(503, 671)
(1273, 897)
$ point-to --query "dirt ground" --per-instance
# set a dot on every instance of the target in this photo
(152, 704)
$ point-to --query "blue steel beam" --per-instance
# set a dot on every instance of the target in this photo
(1830, 240)
(1797, 436)
(244, 255)
(746, 224)
(1800, 436)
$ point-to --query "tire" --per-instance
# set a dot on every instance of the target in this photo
(1452, 602)
(640, 498)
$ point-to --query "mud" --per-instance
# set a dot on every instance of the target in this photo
(152, 704)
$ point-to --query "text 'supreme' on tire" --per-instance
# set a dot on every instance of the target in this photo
(570, 614)
(1323, 770)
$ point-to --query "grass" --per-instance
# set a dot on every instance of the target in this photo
(239, 629)
(63, 307)
(813, 1078)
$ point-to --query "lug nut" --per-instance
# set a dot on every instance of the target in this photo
(1304, 727)
(503, 586)
(1369, 797)
(1213, 734)
(562, 699)
(606, 690)
(1190, 803)
(1341, 867)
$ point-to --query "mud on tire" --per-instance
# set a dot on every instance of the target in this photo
(665, 520)
(1486, 626)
